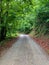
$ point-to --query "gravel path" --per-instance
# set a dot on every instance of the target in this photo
(25, 52)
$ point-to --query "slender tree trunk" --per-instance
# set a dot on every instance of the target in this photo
(3, 28)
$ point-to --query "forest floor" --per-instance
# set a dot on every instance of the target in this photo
(43, 41)
(6, 44)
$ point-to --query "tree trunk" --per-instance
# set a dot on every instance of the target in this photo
(3, 28)
(3, 33)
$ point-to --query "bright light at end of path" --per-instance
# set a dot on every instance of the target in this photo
(23, 35)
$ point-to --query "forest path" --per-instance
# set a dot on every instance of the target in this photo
(25, 52)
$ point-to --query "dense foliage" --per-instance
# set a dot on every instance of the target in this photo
(42, 18)
(23, 16)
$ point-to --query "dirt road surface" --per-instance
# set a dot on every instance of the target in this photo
(25, 51)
